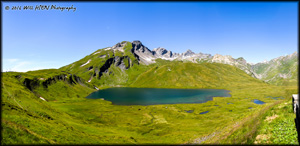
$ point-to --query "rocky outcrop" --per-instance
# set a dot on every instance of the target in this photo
(90, 68)
(34, 83)
(158, 52)
(73, 79)
(240, 63)
(54, 79)
(119, 46)
(164, 54)
(188, 53)
(31, 83)
(117, 61)
(227, 59)
(105, 66)
(241, 60)
(145, 55)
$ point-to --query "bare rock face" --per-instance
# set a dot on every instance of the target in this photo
(240, 63)
(159, 52)
(145, 55)
(227, 59)
(119, 46)
(119, 62)
(188, 53)
(34, 83)
(169, 54)
(162, 53)
(241, 60)
(139, 47)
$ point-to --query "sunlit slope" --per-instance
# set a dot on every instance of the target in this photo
(191, 75)
(68, 117)
(120, 66)
(51, 84)
(105, 66)
(279, 71)
(28, 119)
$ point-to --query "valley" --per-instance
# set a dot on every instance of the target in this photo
(66, 116)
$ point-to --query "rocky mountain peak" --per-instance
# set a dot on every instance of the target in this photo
(227, 59)
(188, 53)
(241, 60)
(295, 54)
(162, 53)
(159, 51)
(136, 42)
(138, 46)
(119, 46)
(145, 55)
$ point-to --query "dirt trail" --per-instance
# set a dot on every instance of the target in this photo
(271, 118)
(216, 137)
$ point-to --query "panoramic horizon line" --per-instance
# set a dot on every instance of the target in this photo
(21, 62)
(265, 60)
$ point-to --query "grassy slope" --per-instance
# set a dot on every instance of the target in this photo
(69, 118)
(278, 126)
(28, 119)
(98, 121)
(191, 75)
(283, 66)
(246, 129)
(115, 75)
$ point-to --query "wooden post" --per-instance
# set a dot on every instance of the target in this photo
(297, 112)
(295, 102)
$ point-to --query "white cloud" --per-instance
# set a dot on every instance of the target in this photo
(19, 65)
(36, 68)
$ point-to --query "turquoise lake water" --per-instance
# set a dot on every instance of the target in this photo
(153, 96)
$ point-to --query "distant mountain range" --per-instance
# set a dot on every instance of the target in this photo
(279, 71)
(282, 70)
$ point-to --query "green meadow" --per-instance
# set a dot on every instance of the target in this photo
(67, 117)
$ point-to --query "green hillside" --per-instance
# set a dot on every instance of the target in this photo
(279, 71)
(67, 117)
(101, 61)
(192, 75)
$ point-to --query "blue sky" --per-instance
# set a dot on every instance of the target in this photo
(40, 39)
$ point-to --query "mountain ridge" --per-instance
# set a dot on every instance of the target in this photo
(146, 56)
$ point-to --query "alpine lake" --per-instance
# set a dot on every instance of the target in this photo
(172, 116)
(155, 96)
